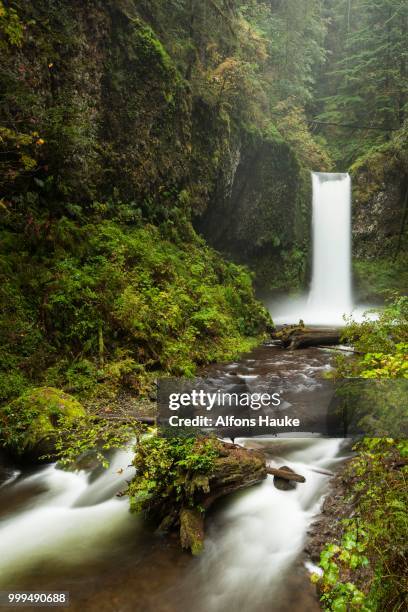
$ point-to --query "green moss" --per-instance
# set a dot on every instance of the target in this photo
(192, 530)
(171, 474)
(150, 47)
(377, 277)
(178, 478)
(148, 303)
(28, 423)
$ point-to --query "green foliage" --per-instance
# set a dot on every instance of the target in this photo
(382, 344)
(156, 306)
(170, 472)
(295, 34)
(338, 595)
(92, 436)
(46, 423)
(383, 365)
(378, 276)
(29, 424)
(367, 568)
(11, 28)
(366, 82)
(294, 128)
(373, 548)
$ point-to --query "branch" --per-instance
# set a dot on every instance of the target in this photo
(353, 126)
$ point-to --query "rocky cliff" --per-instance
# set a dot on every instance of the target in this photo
(380, 217)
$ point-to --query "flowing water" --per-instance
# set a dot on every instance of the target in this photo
(330, 291)
(68, 530)
(330, 295)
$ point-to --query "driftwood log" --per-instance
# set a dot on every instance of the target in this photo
(299, 336)
(314, 338)
(285, 473)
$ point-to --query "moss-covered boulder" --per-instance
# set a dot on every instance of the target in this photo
(28, 424)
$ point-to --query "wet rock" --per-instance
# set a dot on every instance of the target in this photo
(282, 483)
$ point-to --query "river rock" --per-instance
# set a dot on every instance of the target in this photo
(282, 483)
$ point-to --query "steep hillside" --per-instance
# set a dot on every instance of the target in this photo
(123, 124)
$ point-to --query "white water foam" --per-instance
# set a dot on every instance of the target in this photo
(72, 514)
(330, 296)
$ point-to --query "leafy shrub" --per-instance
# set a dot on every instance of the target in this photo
(105, 303)
(367, 569)
(381, 344)
(169, 473)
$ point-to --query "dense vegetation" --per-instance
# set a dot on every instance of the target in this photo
(134, 134)
(104, 281)
(380, 344)
(125, 124)
(366, 567)
(125, 301)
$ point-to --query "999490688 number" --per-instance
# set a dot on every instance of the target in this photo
(34, 598)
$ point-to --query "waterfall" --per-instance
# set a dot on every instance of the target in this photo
(330, 296)
(331, 273)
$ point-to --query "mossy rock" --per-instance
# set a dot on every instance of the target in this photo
(28, 424)
(192, 530)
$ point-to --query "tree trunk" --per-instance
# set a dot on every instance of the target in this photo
(314, 339)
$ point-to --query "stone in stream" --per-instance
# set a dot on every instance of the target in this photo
(282, 483)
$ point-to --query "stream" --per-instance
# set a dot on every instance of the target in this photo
(67, 531)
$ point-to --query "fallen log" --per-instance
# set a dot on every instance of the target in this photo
(322, 471)
(234, 468)
(304, 340)
(239, 468)
(285, 474)
(299, 336)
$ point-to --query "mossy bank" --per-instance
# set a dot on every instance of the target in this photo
(109, 149)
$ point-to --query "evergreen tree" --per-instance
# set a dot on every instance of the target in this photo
(366, 76)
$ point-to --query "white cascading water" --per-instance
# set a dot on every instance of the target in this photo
(58, 525)
(250, 546)
(252, 543)
(330, 291)
(330, 296)
(70, 513)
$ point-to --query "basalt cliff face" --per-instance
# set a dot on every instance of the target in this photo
(261, 215)
(380, 217)
(112, 105)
